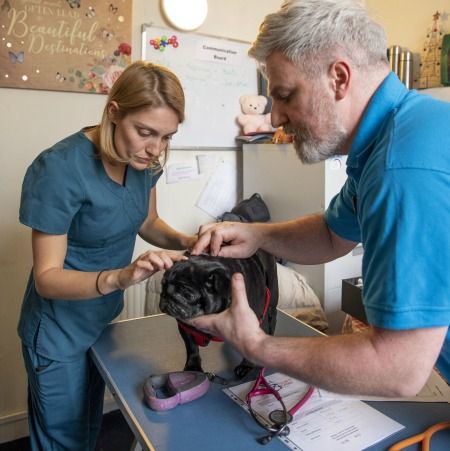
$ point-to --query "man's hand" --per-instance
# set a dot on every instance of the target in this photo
(228, 239)
(238, 325)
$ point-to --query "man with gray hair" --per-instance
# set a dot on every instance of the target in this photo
(329, 78)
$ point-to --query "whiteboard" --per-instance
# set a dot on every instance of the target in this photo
(214, 73)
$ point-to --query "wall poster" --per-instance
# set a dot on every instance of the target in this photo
(64, 45)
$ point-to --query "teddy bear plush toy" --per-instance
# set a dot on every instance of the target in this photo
(253, 119)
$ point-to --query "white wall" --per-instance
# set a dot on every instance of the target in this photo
(33, 120)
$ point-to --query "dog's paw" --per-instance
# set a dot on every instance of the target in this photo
(243, 369)
(193, 365)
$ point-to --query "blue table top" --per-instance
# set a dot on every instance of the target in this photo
(130, 351)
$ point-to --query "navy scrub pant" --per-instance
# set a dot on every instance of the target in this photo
(65, 403)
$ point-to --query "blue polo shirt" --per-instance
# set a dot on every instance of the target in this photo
(396, 202)
(67, 191)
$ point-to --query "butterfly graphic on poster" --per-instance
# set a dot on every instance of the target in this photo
(90, 12)
(60, 77)
(74, 3)
(107, 35)
(6, 6)
(18, 57)
(113, 8)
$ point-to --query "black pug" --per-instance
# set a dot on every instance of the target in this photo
(202, 285)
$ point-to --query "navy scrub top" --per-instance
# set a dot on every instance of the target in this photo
(67, 191)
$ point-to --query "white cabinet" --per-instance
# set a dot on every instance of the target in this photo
(291, 189)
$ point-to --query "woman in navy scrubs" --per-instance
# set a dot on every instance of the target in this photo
(85, 199)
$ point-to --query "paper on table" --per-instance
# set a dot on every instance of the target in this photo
(340, 425)
(220, 192)
(435, 390)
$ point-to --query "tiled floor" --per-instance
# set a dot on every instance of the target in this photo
(114, 436)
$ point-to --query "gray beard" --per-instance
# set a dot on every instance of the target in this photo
(310, 150)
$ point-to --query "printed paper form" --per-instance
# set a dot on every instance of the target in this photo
(181, 172)
(321, 424)
(185, 171)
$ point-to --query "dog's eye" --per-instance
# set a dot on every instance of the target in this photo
(211, 281)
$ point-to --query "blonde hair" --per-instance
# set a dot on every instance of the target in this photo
(141, 85)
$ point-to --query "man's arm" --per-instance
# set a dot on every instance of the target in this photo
(374, 362)
(306, 240)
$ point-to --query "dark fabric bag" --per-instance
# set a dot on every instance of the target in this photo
(252, 209)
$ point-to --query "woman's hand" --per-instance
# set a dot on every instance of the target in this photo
(146, 265)
(191, 242)
(53, 281)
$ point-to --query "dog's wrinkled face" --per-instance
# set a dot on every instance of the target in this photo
(202, 285)
(197, 286)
